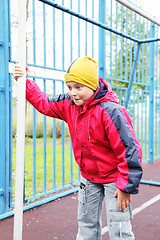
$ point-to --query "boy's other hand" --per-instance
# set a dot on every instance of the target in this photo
(123, 199)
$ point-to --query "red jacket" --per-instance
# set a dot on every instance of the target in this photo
(104, 142)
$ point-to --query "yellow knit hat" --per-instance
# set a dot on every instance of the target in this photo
(84, 71)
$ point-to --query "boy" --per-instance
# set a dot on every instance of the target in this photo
(104, 144)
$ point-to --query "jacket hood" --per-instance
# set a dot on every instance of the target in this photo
(105, 92)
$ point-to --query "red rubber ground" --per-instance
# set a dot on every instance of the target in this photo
(58, 220)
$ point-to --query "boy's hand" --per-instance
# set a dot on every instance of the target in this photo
(123, 199)
(18, 72)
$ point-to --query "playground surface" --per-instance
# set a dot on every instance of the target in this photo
(58, 220)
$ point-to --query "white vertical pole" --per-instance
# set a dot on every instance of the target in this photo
(20, 144)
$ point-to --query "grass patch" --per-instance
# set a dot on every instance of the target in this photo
(47, 176)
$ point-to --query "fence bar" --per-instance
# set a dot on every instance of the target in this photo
(54, 41)
(150, 183)
(131, 47)
(132, 75)
(102, 40)
(134, 107)
(121, 54)
(63, 148)
(92, 29)
(139, 11)
(20, 144)
(44, 146)
(71, 30)
(138, 113)
(126, 48)
(99, 24)
(149, 40)
(63, 49)
(34, 32)
(4, 107)
(143, 55)
(151, 96)
(54, 142)
(86, 29)
(44, 34)
(142, 123)
(34, 152)
(145, 135)
(111, 51)
(34, 110)
(156, 102)
(159, 125)
(71, 163)
(116, 50)
(42, 202)
(139, 36)
(10, 144)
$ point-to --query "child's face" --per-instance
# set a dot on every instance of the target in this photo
(79, 93)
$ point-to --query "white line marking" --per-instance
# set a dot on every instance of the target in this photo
(146, 204)
(138, 209)
(104, 230)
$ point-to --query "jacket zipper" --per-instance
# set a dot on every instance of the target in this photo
(88, 129)
(76, 124)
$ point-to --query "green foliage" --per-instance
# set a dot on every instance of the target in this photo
(122, 51)
(40, 120)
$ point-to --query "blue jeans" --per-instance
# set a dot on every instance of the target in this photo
(91, 196)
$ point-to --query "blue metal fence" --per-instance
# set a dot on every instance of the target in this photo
(126, 46)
